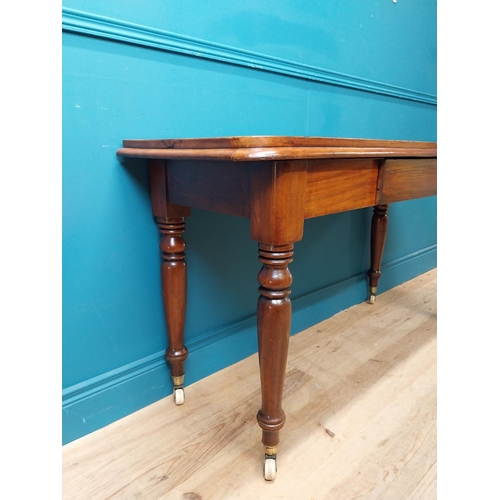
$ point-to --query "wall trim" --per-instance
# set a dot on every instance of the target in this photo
(75, 21)
(99, 401)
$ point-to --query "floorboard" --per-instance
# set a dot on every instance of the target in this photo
(360, 400)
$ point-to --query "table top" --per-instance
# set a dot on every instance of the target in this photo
(261, 148)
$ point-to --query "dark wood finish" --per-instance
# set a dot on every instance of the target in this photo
(276, 221)
(274, 310)
(277, 184)
(173, 280)
(277, 204)
(378, 236)
(215, 186)
(160, 201)
(171, 224)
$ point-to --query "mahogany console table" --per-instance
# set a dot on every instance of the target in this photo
(276, 182)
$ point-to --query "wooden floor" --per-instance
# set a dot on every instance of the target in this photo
(360, 400)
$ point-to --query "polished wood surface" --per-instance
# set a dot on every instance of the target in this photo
(340, 185)
(405, 179)
(276, 182)
(259, 148)
(269, 141)
(259, 154)
(171, 224)
(274, 310)
(174, 277)
(277, 202)
(361, 405)
(377, 243)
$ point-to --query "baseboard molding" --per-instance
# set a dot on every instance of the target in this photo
(102, 400)
(85, 23)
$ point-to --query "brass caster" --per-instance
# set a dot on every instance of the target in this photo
(372, 299)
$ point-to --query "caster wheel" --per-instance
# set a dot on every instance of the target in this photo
(372, 299)
(270, 469)
(179, 396)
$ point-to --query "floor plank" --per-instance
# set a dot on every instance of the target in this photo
(360, 399)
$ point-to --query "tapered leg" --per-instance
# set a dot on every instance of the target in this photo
(378, 235)
(173, 278)
(274, 311)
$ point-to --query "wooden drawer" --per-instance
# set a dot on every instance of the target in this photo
(406, 179)
(340, 185)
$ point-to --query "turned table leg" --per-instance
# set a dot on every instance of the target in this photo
(274, 310)
(173, 279)
(378, 235)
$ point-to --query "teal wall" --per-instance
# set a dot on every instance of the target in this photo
(171, 68)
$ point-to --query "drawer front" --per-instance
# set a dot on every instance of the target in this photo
(340, 185)
(407, 179)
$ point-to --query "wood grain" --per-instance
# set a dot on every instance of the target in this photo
(262, 148)
(407, 179)
(340, 185)
(274, 316)
(174, 290)
(360, 398)
(277, 153)
(269, 141)
(277, 202)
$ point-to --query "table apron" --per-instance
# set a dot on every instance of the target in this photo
(332, 185)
